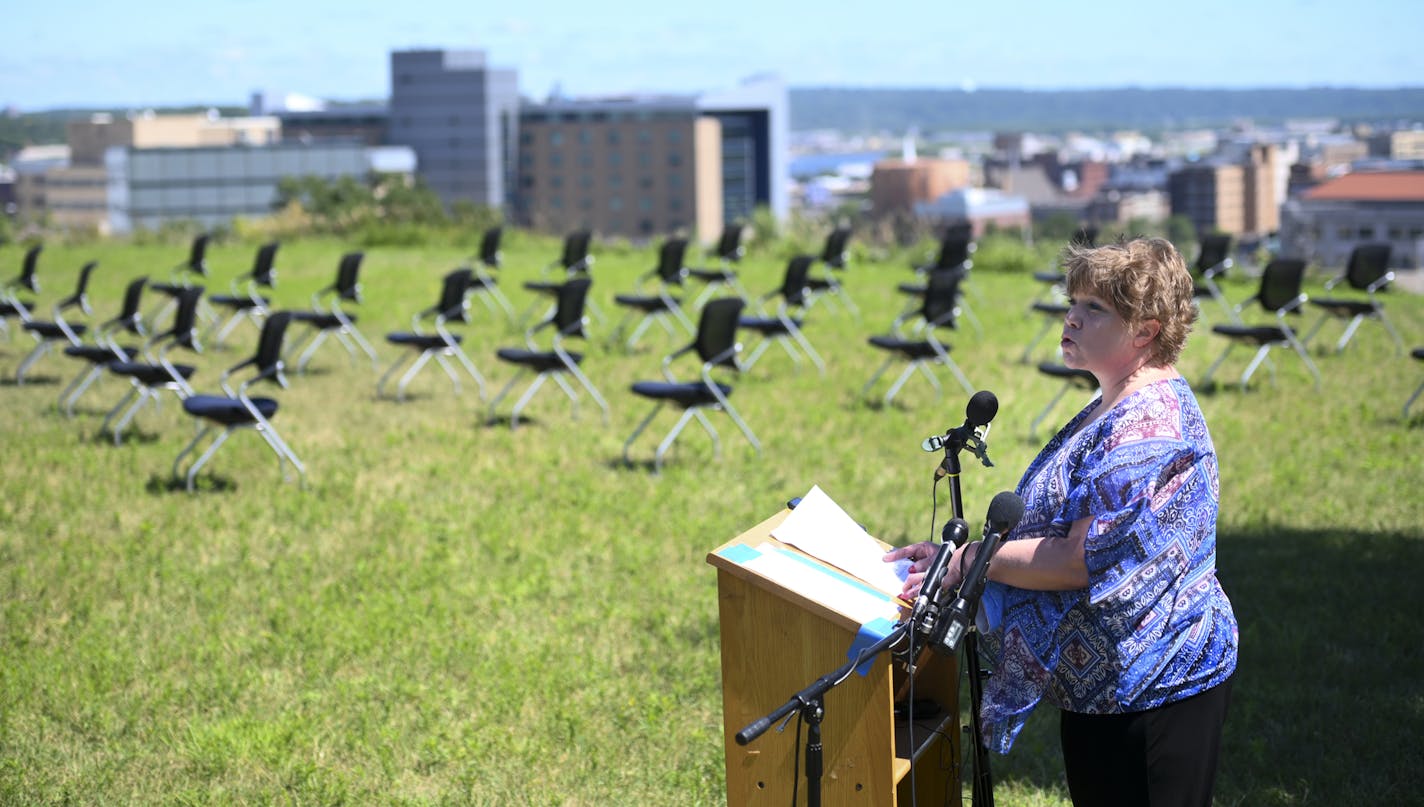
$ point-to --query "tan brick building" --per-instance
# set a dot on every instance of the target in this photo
(897, 185)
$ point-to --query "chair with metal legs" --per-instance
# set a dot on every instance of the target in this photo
(1213, 259)
(235, 409)
(716, 345)
(835, 256)
(454, 306)
(193, 269)
(11, 306)
(105, 347)
(784, 328)
(484, 285)
(953, 256)
(47, 334)
(331, 319)
(246, 303)
(920, 346)
(658, 306)
(1367, 271)
(152, 372)
(574, 261)
(729, 253)
(555, 362)
(1280, 295)
(1072, 378)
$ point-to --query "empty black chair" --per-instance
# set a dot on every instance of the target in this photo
(1213, 259)
(453, 306)
(1280, 295)
(489, 259)
(1367, 271)
(47, 334)
(190, 271)
(835, 256)
(152, 371)
(785, 327)
(331, 318)
(1080, 379)
(659, 305)
(1417, 353)
(567, 322)
(246, 302)
(728, 253)
(10, 303)
(716, 345)
(105, 348)
(574, 260)
(235, 409)
(920, 347)
(953, 255)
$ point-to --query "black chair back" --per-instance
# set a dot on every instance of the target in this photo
(452, 295)
(1280, 283)
(1086, 236)
(268, 358)
(1213, 252)
(29, 267)
(834, 252)
(953, 249)
(263, 268)
(198, 255)
(1368, 263)
(348, 272)
(793, 286)
(568, 315)
(941, 297)
(717, 331)
(185, 320)
(576, 250)
(129, 317)
(80, 297)
(671, 267)
(489, 247)
(729, 246)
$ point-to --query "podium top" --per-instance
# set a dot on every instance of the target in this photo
(781, 569)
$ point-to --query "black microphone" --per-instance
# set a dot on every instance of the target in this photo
(1004, 512)
(981, 409)
(955, 531)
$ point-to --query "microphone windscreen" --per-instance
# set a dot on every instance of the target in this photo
(1005, 511)
(981, 408)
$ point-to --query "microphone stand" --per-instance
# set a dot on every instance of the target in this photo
(955, 441)
(810, 703)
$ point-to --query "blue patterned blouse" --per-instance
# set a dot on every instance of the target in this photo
(1154, 625)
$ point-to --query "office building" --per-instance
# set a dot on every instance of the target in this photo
(756, 132)
(1326, 222)
(461, 118)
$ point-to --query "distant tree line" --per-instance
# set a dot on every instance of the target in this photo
(896, 110)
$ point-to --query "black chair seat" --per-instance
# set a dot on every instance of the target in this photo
(645, 304)
(1341, 308)
(1081, 378)
(241, 302)
(713, 275)
(96, 354)
(227, 411)
(1255, 334)
(320, 319)
(422, 341)
(538, 360)
(818, 284)
(150, 375)
(51, 330)
(912, 289)
(10, 310)
(170, 289)
(910, 348)
(689, 393)
(767, 326)
(1417, 353)
(1048, 277)
(1051, 309)
(543, 287)
(477, 282)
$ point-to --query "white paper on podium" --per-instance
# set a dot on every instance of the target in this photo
(820, 528)
(840, 592)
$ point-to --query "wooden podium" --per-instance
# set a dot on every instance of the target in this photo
(778, 636)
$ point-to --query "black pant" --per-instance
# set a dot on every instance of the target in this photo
(1160, 757)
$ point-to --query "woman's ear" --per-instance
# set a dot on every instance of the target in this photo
(1145, 332)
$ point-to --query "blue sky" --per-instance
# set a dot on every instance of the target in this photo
(157, 52)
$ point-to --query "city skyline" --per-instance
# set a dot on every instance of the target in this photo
(160, 53)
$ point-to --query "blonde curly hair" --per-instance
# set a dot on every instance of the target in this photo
(1142, 279)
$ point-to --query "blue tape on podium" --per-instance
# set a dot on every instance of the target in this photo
(869, 633)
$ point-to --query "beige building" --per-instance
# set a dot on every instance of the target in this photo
(633, 167)
(76, 195)
(896, 186)
(1239, 199)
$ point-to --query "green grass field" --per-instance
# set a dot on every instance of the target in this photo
(456, 613)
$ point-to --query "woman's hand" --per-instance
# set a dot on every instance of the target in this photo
(922, 553)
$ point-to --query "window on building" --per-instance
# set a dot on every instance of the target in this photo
(615, 181)
(675, 205)
(586, 181)
(615, 203)
(674, 159)
(645, 182)
(1345, 233)
(556, 182)
(585, 203)
(556, 138)
(613, 137)
(645, 204)
(585, 137)
(556, 159)
(674, 136)
(1367, 232)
